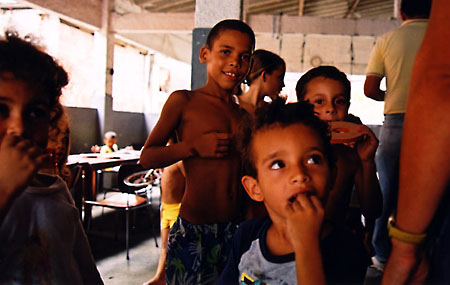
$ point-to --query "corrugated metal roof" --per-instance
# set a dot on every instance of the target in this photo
(377, 9)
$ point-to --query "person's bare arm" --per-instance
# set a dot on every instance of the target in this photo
(366, 180)
(425, 155)
(372, 88)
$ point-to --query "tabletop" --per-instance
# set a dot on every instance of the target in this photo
(104, 160)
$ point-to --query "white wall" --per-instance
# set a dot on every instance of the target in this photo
(135, 88)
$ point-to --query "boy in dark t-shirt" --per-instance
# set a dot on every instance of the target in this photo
(293, 179)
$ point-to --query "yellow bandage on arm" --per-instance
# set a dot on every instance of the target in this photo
(403, 236)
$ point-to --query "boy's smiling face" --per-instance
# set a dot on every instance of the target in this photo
(290, 161)
(228, 60)
(22, 112)
(328, 99)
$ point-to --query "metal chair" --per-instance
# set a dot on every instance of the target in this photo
(127, 200)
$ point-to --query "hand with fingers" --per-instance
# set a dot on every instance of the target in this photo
(20, 159)
(212, 145)
(368, 145)
(304, 219)
(304, 222)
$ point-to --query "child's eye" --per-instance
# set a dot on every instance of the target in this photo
(225, 51)
(318, 102)
(314, 159)
(277, 165)
(341, 101)
(246, 57)
(4, 111)
(38, 113)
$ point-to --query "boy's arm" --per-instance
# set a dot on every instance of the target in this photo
(305, 217)
(19, 162)
(372, 88)
(366, 180)
(155, 153)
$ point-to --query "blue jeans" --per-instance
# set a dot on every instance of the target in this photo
(387, 161)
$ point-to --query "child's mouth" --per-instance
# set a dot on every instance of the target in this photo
(293, 198)
(230, 75)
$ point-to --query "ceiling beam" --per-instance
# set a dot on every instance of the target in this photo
(141, 23)
(301, 7)
(145, 22)
(86, 13)
(352, 9)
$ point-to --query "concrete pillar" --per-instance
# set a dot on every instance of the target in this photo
(105, 110)
(207, 14)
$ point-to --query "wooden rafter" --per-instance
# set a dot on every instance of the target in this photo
(352, 9)
(301, 7)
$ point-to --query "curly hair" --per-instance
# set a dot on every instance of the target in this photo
(279, 114)
(30, 64)
(24, 61)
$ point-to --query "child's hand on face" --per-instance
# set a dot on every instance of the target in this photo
(367, 146)
(212, 145)
(20, 159)
(304, 220)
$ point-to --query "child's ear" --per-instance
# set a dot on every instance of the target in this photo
(204, 51)
(252, 187)
(263, 76)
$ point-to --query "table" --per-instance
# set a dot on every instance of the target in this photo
(90, 163)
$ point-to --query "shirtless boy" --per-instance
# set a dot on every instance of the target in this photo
(205, 121)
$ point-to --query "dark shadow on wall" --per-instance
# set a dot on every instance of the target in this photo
(130, 127)
(84, 129)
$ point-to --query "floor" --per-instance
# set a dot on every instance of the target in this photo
(108, 247)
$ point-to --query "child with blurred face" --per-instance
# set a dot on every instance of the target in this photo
(41, 235)
(289, 166)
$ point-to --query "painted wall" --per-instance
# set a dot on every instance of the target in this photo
(85, 129)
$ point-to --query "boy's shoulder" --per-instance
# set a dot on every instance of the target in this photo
(181, 94)
(255, 225)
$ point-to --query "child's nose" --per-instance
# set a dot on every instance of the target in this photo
(15, 126)
(330, 108)
(235, 61)
(300, 175)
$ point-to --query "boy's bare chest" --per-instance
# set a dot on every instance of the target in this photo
(210, 116)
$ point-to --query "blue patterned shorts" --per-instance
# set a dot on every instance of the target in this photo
(197, 254)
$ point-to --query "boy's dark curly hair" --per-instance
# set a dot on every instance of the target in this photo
(36, 68)
(280, 114)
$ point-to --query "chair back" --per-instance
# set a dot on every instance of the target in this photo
(125, 170)
(75, 177)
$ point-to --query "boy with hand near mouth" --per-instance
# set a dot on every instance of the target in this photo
(292, 178)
